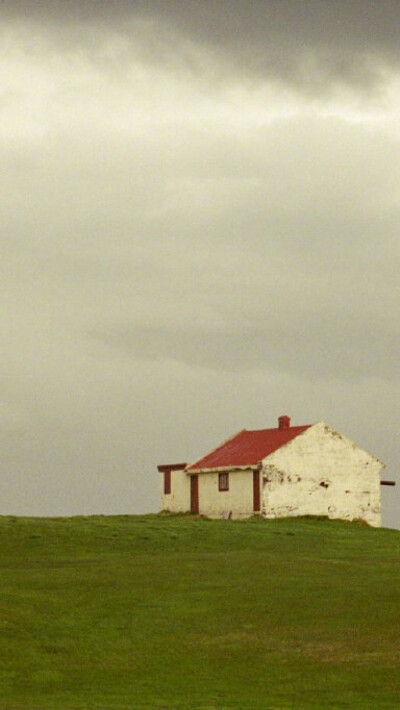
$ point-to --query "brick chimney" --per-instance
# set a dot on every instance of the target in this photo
(284, 422)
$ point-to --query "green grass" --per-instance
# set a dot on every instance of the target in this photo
(176, 612)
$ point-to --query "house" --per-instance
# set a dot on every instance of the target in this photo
(280, 472)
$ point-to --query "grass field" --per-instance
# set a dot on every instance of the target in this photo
(177, 612)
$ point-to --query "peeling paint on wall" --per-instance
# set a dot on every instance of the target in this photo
(332, 474)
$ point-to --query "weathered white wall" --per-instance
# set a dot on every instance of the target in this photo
(212, 502)
(238, 500)
(178, 501)
(292, 478)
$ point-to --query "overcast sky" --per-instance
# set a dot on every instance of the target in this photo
(200, 208)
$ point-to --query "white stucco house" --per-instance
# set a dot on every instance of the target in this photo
(280, 472)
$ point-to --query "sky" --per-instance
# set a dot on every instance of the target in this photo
(200, 207)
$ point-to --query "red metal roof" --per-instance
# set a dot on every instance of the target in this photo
(247, 448)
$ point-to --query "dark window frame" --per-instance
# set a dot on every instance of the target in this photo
(223, 482)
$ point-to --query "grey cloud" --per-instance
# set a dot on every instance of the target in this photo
(315, 345)
(310, 46)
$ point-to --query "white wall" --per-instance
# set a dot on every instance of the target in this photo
(178, 501)
(292, 478)
(238, 500)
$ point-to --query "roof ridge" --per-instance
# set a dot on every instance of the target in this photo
(276, 428)
(246, 447)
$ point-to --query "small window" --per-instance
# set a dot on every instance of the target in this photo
(223, 481)
(167, 482)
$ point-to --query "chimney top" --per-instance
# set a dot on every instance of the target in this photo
(284, 422)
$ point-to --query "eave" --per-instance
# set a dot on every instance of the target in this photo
(223, 469)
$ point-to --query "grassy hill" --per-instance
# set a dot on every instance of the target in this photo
(177, 612)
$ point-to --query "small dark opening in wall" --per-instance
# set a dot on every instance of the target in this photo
(324, 485)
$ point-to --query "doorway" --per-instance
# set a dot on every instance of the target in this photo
(194, 494)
